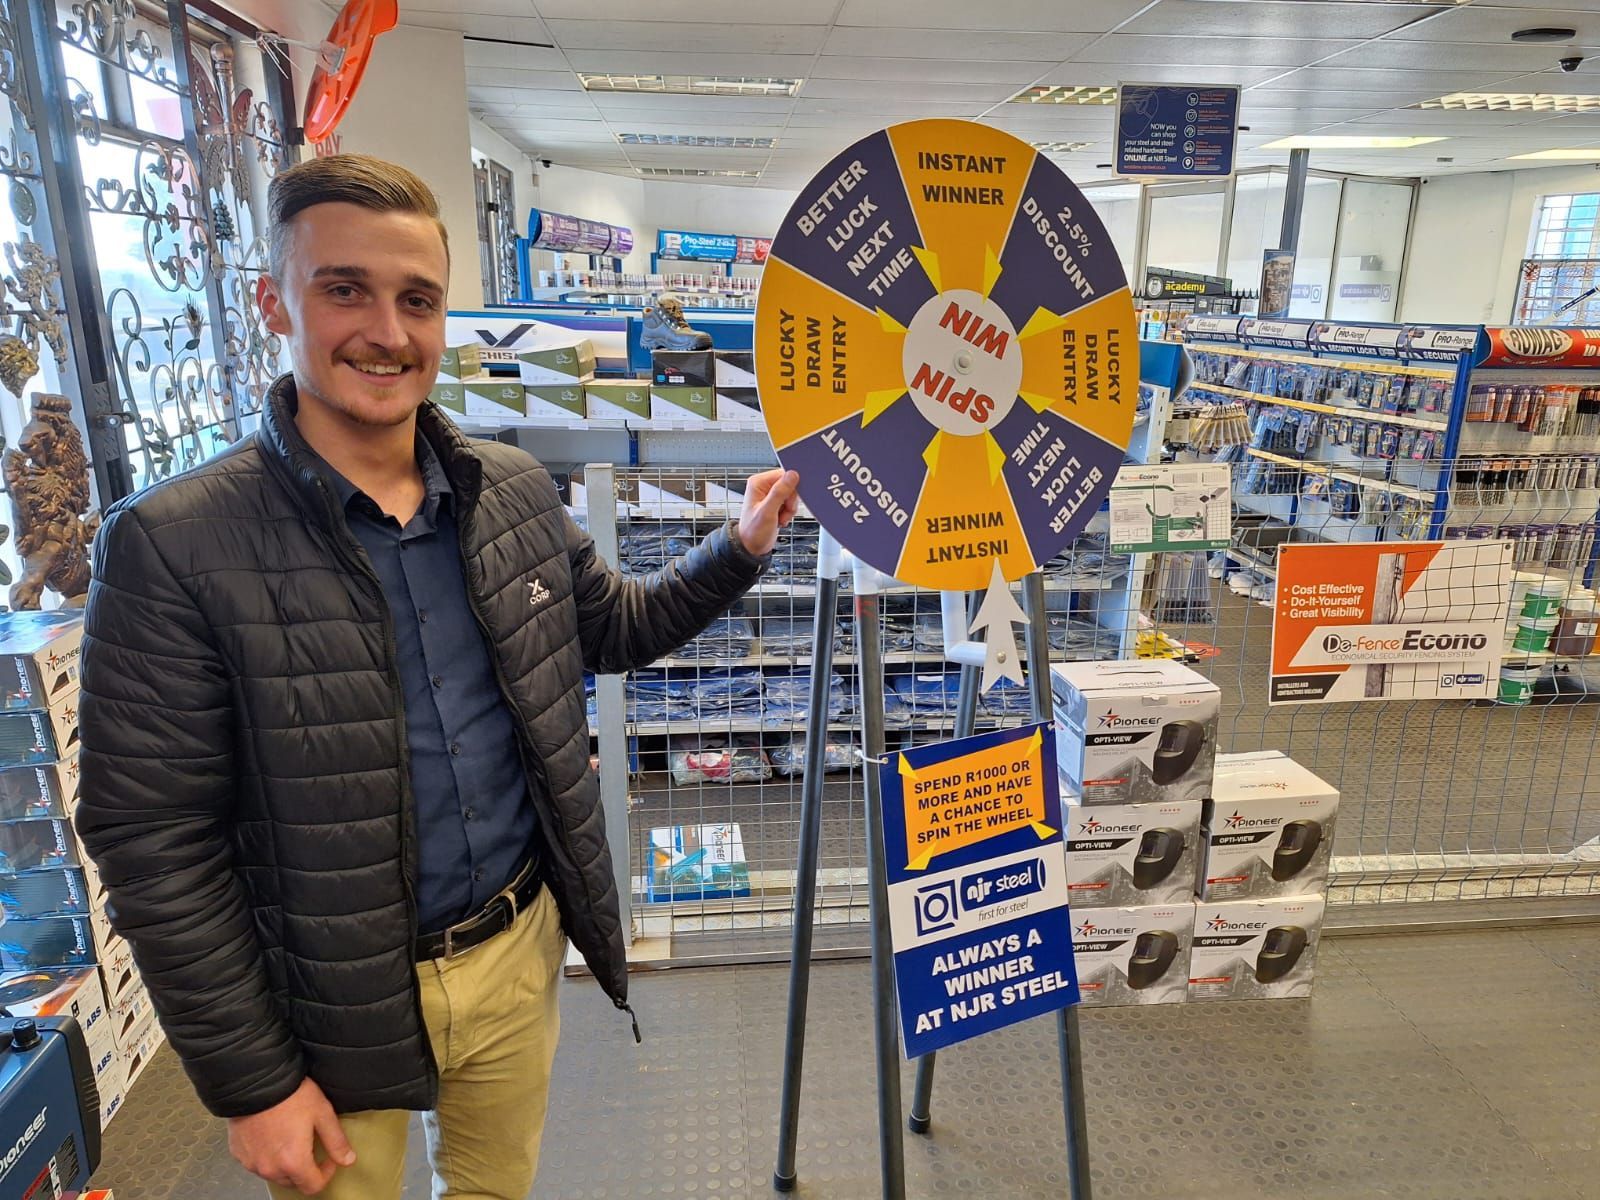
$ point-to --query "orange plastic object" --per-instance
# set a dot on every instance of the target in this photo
(358, 24)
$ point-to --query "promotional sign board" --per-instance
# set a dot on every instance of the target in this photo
(560, 233)
(947, 354)
(1389, 620)
(1160, 282)
(977, 886)
(1187, 130)
(1164, 506)
(1542, 346)
(1277, 284)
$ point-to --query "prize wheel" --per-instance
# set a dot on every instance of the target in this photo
(329, 94)
(947, 354)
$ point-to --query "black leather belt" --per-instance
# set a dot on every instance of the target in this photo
(494, 917)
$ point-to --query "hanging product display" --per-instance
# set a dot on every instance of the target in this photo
(343, 61)
(577, 235)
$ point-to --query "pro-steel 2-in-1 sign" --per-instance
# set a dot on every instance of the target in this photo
(946, 351)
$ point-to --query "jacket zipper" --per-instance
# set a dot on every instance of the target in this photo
(374, 587)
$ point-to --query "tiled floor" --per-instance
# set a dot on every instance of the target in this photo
(1449, 1065)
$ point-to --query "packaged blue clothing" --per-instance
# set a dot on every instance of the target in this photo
(725, 639)
(787, 695)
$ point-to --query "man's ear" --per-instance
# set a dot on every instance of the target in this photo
(274, 312)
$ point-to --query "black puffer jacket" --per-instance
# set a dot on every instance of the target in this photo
(245, 785)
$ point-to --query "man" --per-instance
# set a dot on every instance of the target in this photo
(335, 756)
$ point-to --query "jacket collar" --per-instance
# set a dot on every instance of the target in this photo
(290, 457)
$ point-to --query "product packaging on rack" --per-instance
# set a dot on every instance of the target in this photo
(1267, 830)
(1132, 854)
(572, 363)
(1137, 955)
(461, 362)
(1255, 949)
(1131, 732)
(65, 992)
(39, 658)
(33, 792)
(618, 399)
(35, 737)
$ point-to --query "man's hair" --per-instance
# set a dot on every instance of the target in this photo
(357, 179)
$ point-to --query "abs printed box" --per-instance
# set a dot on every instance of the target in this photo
(1132, 732)
(35, 792)
(142, 1044)
(58, 992)
(1255, 949)
(1120, 855)
(1267, 829)
(1137, 955)
(39, 657)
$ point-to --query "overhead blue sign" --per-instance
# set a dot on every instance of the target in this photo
(977, 886)
(1186, 131)
(697, 247)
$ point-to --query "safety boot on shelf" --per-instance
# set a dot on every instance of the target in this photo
(666, 328)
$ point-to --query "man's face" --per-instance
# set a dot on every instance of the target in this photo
(361, 303)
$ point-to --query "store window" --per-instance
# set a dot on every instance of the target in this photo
(1567, 227)
(1185, 230)
(1373, 221)
(176, 140)
(1117, 206)
(1257, 225)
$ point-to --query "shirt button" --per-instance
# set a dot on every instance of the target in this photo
(477, 876)
(437, 681)
(455, 747)
(422, 615)
(470, 814)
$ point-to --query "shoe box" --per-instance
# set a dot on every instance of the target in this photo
(461, 362)
(712, 384)
(533, 378)
(1263, 949)
(1267, 829)
(619, 399)
(58, 992)
(1134, 732)
(1132, 854)
(1134, 955)
(563, 364)
(39, 791)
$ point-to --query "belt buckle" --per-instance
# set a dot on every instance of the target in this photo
(449, 948)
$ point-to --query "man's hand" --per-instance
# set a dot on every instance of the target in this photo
(279, 1143)
(770, 502)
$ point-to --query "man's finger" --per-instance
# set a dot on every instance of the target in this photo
(782, 489)
(331, 1134)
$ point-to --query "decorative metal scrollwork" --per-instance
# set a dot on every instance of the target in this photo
(10, 68)
(31, 294)
(113, 32)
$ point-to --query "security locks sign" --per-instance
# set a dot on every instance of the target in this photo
(977, 886)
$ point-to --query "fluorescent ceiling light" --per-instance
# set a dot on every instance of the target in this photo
(1551, 102)
(714, 141)
(1061, 147)
(1572, 155)
(1332, 141)
(1066, 94)
(690, 85)
(695, 173)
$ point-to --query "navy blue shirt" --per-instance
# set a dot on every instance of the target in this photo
(474, 819)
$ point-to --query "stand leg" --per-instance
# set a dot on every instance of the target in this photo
(922, 1094)
(1067, 1019)
(805, 881)
(891, 1140)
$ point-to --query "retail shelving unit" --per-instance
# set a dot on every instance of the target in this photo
(1389, 432)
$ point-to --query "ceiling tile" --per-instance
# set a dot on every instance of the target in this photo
(544, 81)
(1070, 16)
(1488, 23)
(958, 94)
(702, 12)
(970, 45)
(1020, 73)
(1274, 18)
(521, 29)
(1375, 83)
(1447, 56)
(654, 36)
(1200, 51)
(491, 8)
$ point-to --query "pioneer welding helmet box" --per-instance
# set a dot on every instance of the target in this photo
(1267, 830)
(1133, 955)
(1122, 854)
(1133, 732)
(1255, 949)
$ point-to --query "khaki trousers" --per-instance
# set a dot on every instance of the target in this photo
(493, 1020)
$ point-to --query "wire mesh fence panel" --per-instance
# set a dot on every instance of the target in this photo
(1442, 798)
(716, 731)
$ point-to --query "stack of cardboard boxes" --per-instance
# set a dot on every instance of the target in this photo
(546, 377)
(58, 953)
(1156, 818)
